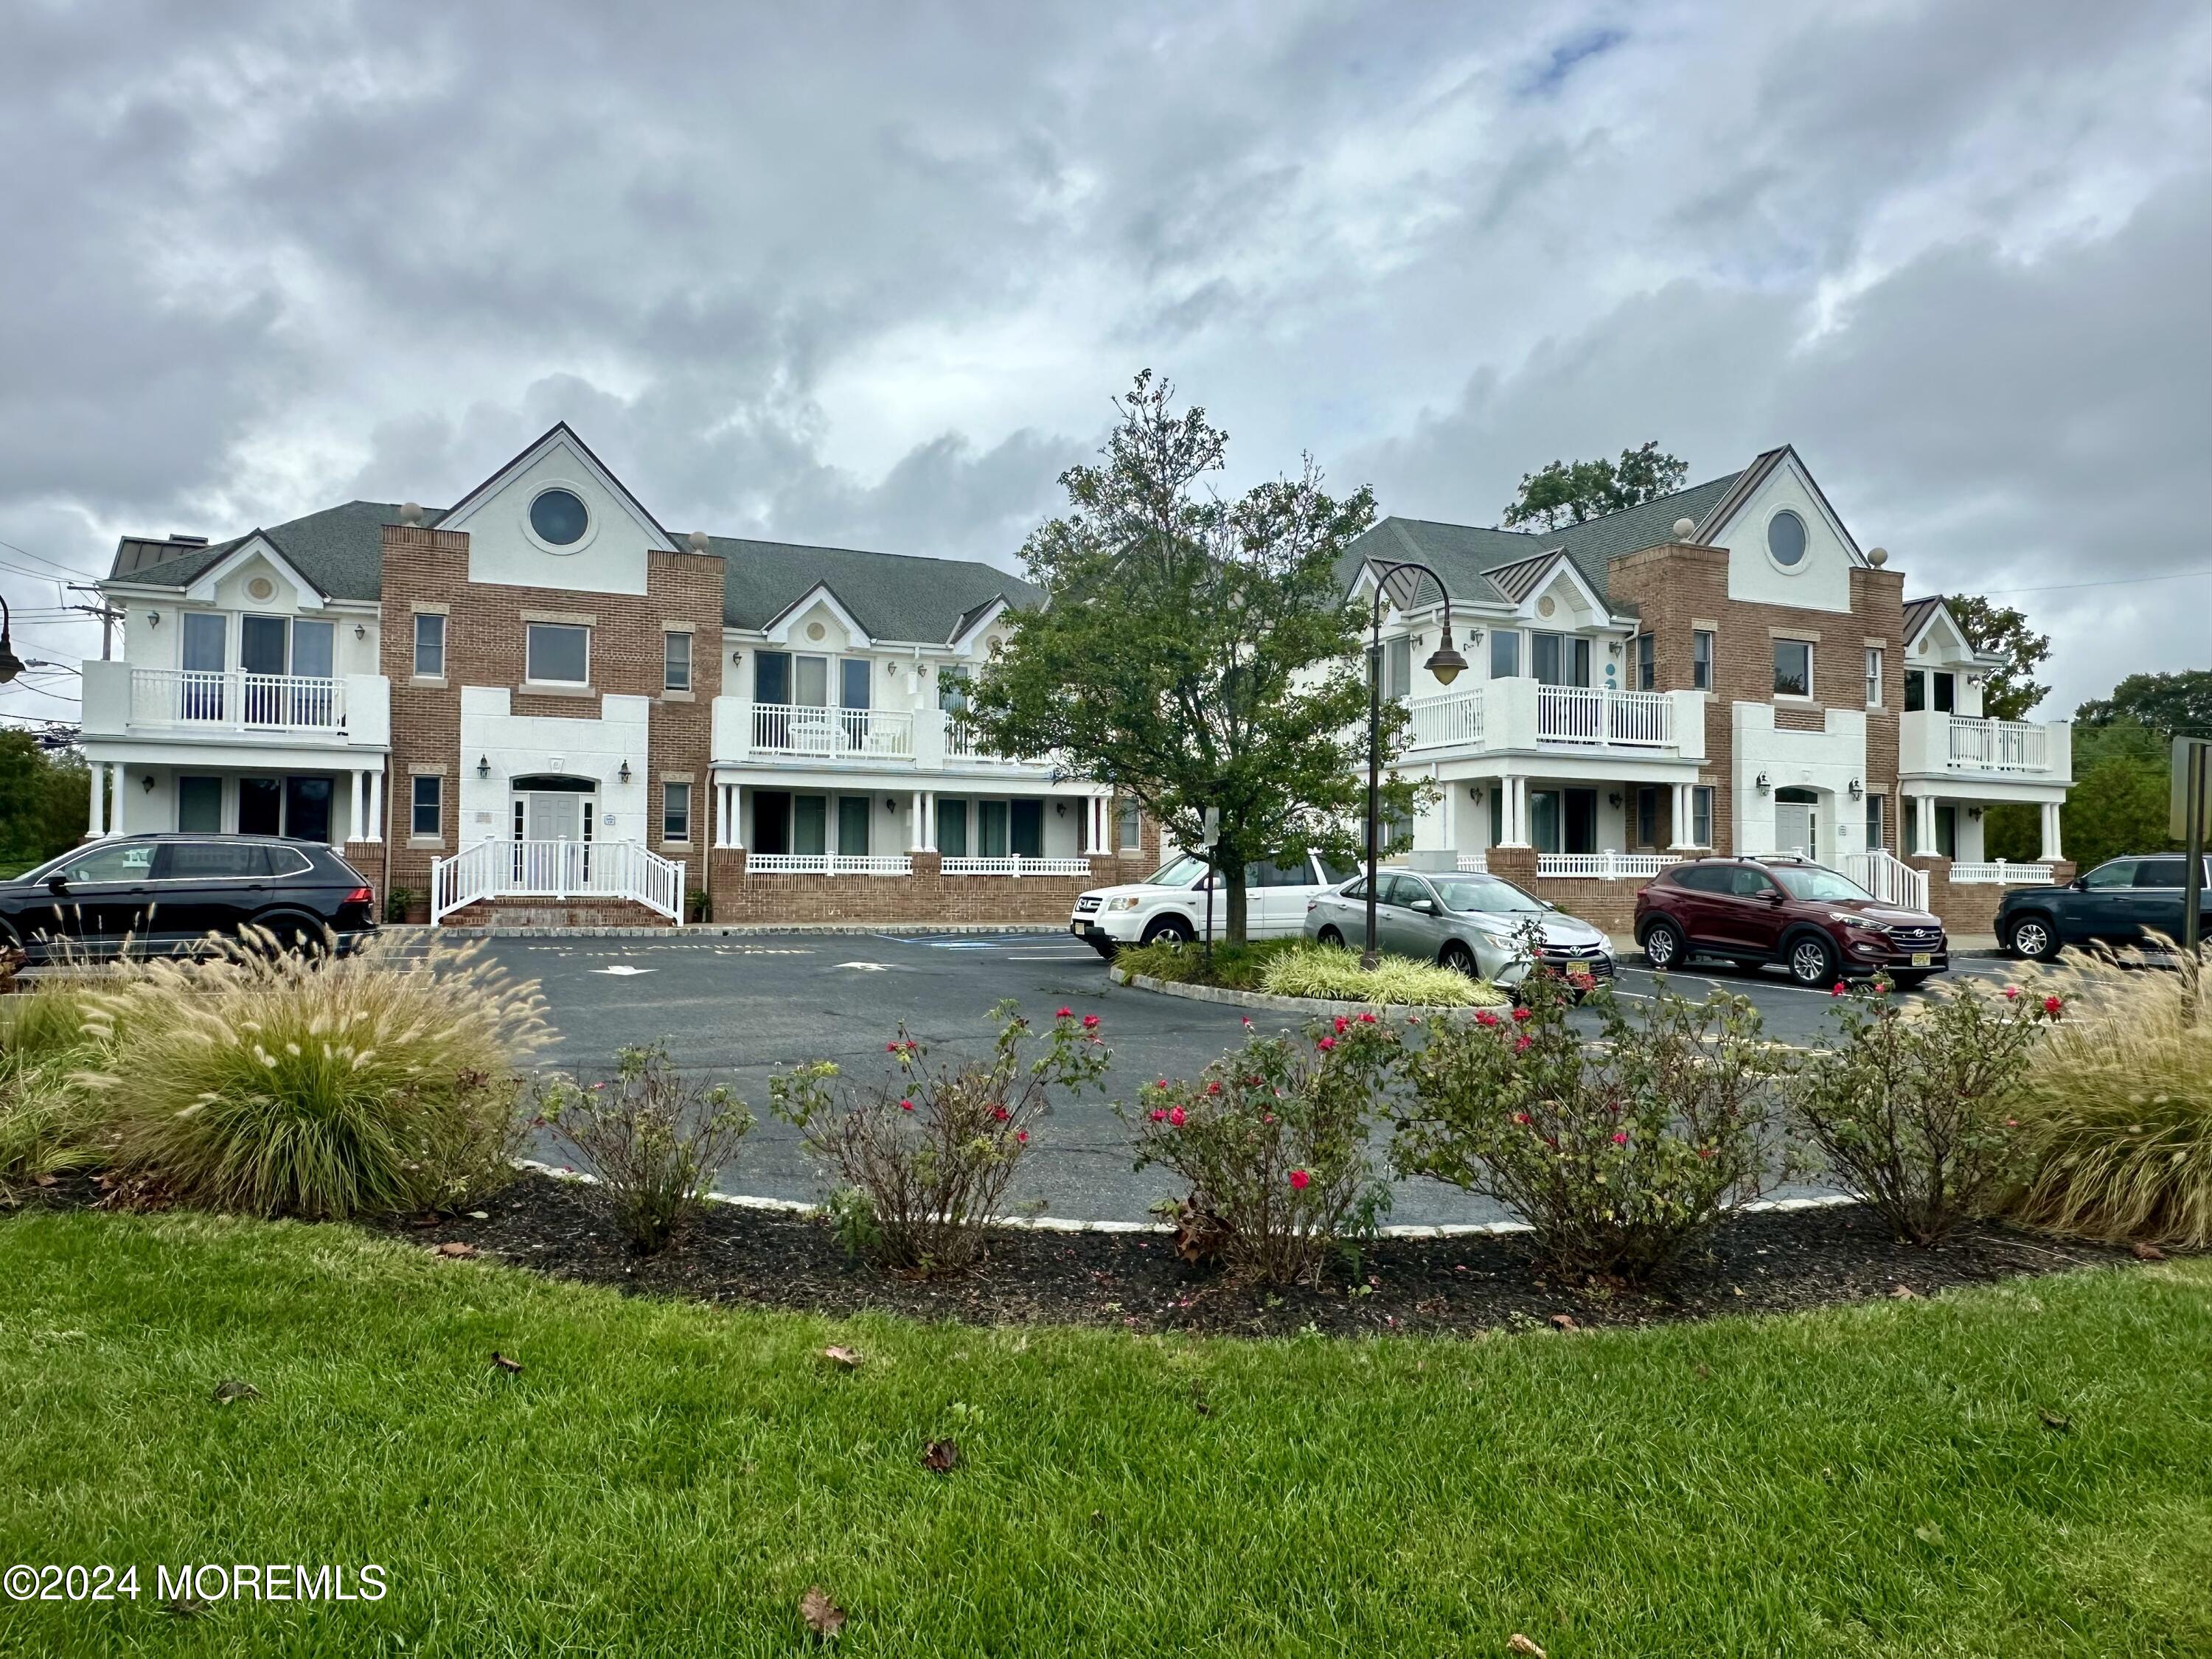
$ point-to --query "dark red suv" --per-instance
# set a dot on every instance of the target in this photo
(1819, 925)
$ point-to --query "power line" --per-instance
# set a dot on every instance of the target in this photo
(2109, 582)
(66, 569)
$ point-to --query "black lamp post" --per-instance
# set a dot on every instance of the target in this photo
(10, 663)
(1444, 662)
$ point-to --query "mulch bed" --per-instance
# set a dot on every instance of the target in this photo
(1771, 1262)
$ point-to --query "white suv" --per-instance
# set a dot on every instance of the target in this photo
(1171, 903)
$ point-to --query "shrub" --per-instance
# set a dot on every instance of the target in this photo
(2118, 1113)
(397, 902)
(655, 1142)
(49, 1122)
(1272, 1138)
(283, 1083)
(1917, 1114)
(925, 1159)
(1328, 971)
(1238, 967)
(1618, 1155)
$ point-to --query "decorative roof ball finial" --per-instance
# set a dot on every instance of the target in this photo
(1877, 556)
(411, 513)
(697, 538)
(1685, 528)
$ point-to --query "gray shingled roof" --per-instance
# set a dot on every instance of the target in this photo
(1469, 557)
(893, 596)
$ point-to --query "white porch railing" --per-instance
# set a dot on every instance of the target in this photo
(2003, 873)
(828, 863)
(962, 743)
(833, 733)
(1444, 721)
(1889, 879)
(557, 870)
(1016, 866)
(1603, 866)
(1987, 745)
(1475, 863)
(1576, 713)
(236, 701)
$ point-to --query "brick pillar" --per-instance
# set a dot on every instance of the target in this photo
(1515, 864)
(726, 878)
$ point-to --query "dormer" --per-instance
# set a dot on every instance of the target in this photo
(555, 517)
(1786, 546)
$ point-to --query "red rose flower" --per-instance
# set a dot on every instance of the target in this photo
(1091, 1022)
(1839, 989)
(1523, 1014)
(1064, 1013)
(1342, 1024)
(1619, 1137)
(1000, 1114)
(1214, 1088)
(1176, 1117)
(906, 1105)
(1021, 1137)
(1300, 1180)
(1484, 1017)
(2051, 1006)
(1159, 1116)
(1521, 1045)
(2012, 993)
(1520, 1117)
(1325, 1044)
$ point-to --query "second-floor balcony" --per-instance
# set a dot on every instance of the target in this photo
(926, 739)
(1522, 713)
(1931, 743)
(122, 700)
(832, 733)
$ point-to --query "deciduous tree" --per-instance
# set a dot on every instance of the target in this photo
(2011, 690)
(1569, 492)
(1195, 651)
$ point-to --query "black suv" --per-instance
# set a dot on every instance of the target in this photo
(164, 894)
(2121, 901)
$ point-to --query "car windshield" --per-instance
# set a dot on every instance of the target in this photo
(1483, 893)
(1809, 881)
(1182, 872)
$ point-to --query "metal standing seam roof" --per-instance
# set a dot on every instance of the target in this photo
(893, 596)
(1918, 613)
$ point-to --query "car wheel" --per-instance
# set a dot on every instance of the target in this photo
(1811, 961)
(1457, 957)
(2033, 937)
(294, 934)
(1174, 930)
(1663, 946)
(1329, 936)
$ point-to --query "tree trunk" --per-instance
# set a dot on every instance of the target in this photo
(1233, 883)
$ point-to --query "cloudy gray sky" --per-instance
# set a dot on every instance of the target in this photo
(870, 273)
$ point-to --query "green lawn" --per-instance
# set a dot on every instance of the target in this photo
(670, 1480)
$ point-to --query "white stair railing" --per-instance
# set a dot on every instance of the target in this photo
(1889, 879)
(557, 870)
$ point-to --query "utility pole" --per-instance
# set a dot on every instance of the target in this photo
(2193, 777)
(108, 617)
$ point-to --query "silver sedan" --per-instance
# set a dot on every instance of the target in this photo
(1475, 923)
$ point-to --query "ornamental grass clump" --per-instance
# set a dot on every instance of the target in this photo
(1917, 1109)
(923, 1161)
(50, 1122)
(1619, 1154)
(2118, 1110)
(1273, 1139)
(1333, 973)
(655, 1141)
(285, 1084)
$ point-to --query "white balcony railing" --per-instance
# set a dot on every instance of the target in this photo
(2003, 873)
(1016, 866)
(557, 870)
(1447, 721)
(1603, 866)
(1577, 714)
(1889, 879)
(828, 863)
(1988, 745)
(833, 733)
(1475, 863)
(236, 701)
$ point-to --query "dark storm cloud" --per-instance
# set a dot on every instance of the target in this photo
(869, 274)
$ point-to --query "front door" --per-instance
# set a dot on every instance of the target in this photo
(1581, 821)
(1797, 823)
(554, 817)
(307, 809)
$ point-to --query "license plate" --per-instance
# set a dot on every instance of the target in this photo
(1923, 959)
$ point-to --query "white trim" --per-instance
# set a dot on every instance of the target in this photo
(1766, 539)
(998, 608)
(458, 515)
(256, 545)
(778, 631)
(560, 549)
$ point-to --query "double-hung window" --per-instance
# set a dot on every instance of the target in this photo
(1398, 667)
(429, 646)
(429, 794)
(674, 661)
(675, 812)
(558, 653)
(1647, 662)
(772, 677)
(1701, 660)
(1129, 834)
(1873, 677)
(1701, 815)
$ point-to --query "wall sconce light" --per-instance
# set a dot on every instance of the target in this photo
(624, 774)
(1614, 799)
(147, 783)
(1613, 648)
(891, 671)
(153, 619)
(1976, 813)
(359, 631)
(890, 805)
(1858, 789)
(483, 766)
(1474, 636)
(1474, 793)
(736, 656)
(1060, 809)
(1763, 785)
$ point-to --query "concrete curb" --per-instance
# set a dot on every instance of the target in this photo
(1057, 1223)
(1296, 1005)
(728, 930)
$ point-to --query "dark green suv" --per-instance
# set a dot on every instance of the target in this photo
(2121, 901)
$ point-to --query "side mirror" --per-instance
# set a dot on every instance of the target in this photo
(1426, 907)
(2079, 884)
(58, 884)
(1772, 895)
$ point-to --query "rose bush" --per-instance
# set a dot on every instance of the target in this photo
(1273, 1139)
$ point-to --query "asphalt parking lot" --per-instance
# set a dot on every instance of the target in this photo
(737, 1007)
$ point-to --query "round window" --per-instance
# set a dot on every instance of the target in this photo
(559, 518)
(1785, 539)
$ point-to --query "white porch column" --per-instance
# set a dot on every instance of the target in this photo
(2051, 821)
(1923, 839)
(96, 813)
(929, 843)
(1678, 815)
(1516, 811)
(376, 805)
(915, 840)
(115, 798)
(1451, 812)
(356, 795)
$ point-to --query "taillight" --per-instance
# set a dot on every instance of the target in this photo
(359, 896)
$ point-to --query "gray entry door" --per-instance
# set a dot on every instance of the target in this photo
(551, 817)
